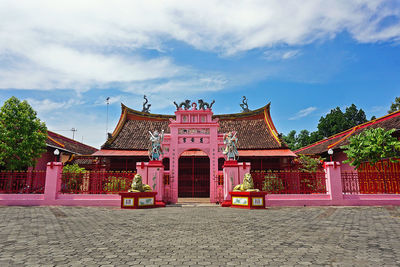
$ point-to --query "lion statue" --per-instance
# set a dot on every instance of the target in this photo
(138, 186)
(247, 185)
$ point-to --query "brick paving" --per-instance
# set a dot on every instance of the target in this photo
(199, 236)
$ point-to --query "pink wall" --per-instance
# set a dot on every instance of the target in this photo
(340, 157)
(333, 197)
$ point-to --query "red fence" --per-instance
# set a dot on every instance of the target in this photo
(94, 182)
(32, 182)
(381, 178)
(290, 182)
(371, 182)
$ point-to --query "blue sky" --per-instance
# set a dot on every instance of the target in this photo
(305, 57)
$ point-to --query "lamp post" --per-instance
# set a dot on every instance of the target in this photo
(330, 152)
(108, 102)
(56, 153)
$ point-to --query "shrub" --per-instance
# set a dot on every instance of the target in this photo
(272, 184)
(116, 184)
(72, 178)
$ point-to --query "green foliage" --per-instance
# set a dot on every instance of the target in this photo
(337, 121)
(22, 135)
(371, 146)
(272, 183)
(309, 164)
(314, 185)
(304, 138)
(72, 177)
(116, 184)
(291, 140)
(395, 105)
(73, 169)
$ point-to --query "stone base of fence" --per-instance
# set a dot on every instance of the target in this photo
(325, 200)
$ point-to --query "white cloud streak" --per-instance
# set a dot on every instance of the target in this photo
(47, 105)
(84, 44)
(303, 113)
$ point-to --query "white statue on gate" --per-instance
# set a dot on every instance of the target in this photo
(156, 150)
(230, 150)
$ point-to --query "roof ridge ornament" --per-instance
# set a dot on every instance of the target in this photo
(185, 105)
(204, 105)
(245, 107)
(146, 109)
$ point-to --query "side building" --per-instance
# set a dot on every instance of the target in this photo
(335, 142)
(66, 147)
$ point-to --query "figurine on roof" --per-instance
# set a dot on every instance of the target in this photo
(156, 150)
(244, 106)
(230, 151)
(204, 105)
(185, 105)
(146, 107)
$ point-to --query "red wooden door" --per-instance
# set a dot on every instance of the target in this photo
(194, 177)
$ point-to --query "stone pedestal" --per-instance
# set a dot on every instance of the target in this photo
(233, 175)
(153, 174)
(248, 200)
(138, 200)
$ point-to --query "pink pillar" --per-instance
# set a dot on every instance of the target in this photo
(53, 180)
(153, 174)
(233, 175)
(334, 180)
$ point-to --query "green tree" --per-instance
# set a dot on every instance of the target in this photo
(395, 105)
(337, 121)
(371, 146)
(332, 123)
(291, 139)
(315, 136)
(354, 117)
(303, 139)
(22, 135)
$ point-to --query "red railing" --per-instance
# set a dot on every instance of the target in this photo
(371, 182)
(31, 182)
(290, 182)
(93, 182)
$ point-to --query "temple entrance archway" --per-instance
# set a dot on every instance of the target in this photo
(194, 177)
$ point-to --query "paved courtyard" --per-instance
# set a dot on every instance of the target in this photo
(198, 236)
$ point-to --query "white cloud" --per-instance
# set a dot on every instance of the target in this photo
(47, 105)
(303, 113)
(281, 54)
(84, 44)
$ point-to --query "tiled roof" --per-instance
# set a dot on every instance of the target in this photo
(391, 121)
(67, 144)
(252, 129)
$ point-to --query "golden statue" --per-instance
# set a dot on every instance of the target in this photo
(138, 186)
(247, 186)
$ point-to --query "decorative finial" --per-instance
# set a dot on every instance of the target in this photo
(204, 105)
(185, 105)
(146, 109)
(245, 107)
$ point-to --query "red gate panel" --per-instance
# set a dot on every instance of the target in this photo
(194, 177)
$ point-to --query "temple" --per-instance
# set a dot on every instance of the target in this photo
(193, 145)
